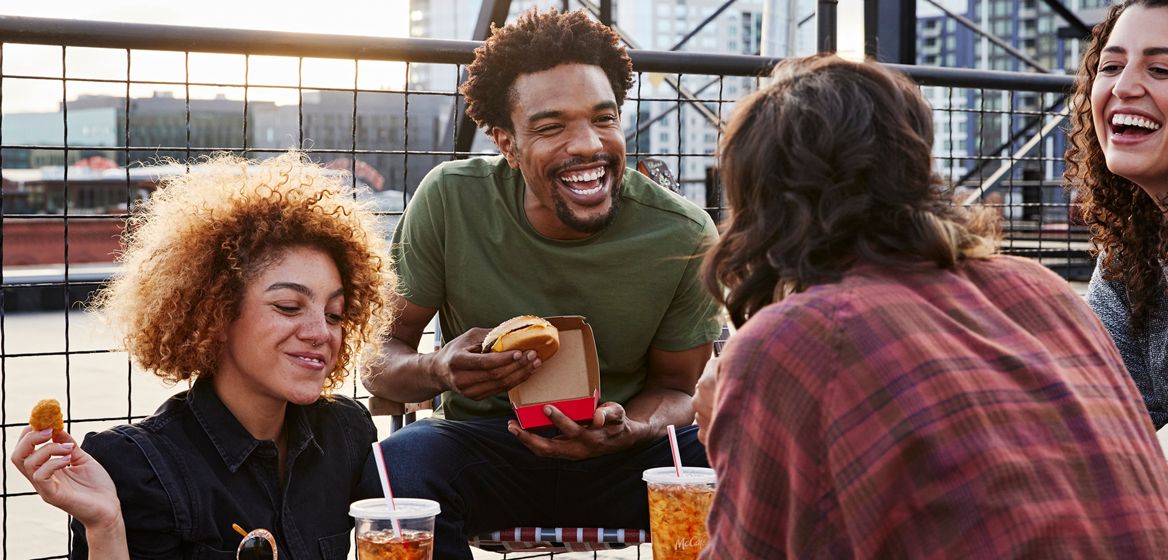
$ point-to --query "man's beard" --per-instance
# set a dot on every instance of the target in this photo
(590, 225)
(571, 220)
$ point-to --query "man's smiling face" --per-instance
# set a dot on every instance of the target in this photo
(568, 144)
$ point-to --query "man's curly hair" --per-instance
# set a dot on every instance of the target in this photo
(193, 247)
(1127, 229)
(535, 42)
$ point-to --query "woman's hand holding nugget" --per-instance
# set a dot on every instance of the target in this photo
(67, 477)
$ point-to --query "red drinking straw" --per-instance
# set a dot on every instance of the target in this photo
(383, 474)
(673, 448)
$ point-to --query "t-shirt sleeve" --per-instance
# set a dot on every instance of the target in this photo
(419, 243)
(693, 317)
(147, 510)
(765, 441)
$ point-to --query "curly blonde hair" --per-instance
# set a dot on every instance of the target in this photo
(1126, 225)
(191, 250)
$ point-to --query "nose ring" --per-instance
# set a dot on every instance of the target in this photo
(315, 344)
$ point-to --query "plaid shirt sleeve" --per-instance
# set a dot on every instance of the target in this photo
(769, 420)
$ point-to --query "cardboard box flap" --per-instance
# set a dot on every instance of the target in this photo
(572, 373)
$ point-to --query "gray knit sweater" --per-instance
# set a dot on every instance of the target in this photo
(1146, 356)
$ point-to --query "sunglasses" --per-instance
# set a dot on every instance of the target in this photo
(256, 545)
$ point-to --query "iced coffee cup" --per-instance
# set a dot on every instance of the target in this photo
(678, 507)
(378, 537)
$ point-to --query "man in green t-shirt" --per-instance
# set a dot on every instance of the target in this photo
(556, 225)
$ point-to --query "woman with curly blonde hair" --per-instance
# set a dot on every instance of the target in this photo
(1118, 164)
(258, 284)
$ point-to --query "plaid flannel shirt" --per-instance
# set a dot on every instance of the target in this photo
(922, 413)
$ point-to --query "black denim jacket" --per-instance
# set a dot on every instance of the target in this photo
(185, 474)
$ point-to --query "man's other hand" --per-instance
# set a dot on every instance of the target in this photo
(610, 431)
(465, 369)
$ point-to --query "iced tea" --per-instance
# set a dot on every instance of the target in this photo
(384, 545)
(678, 508)
(378, 526)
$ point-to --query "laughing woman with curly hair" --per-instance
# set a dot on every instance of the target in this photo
(1118, 164)
(258, 284)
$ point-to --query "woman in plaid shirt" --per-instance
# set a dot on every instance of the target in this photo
(894, 389)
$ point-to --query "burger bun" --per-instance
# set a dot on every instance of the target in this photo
(525, 332)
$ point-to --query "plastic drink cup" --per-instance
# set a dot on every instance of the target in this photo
(377, 538)
(678, 507)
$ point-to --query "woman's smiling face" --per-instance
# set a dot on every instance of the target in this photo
(288, 333)
(1129, 99)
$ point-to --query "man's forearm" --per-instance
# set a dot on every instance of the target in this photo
(403, 374)
(656, 408)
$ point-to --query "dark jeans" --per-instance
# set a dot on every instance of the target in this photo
(486, 480)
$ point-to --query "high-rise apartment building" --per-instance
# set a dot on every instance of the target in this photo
(1032, 28)
(682, 135)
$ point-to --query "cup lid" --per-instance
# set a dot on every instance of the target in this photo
(689, 475)
(404, 508)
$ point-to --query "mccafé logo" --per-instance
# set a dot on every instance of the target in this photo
(692, 542)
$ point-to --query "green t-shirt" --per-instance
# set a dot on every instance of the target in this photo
(465, 247)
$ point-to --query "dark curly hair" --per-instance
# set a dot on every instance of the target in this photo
(1127, 229)
(829, 165)
(191, 250)
(539, 41)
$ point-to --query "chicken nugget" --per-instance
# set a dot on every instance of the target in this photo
(47, 414)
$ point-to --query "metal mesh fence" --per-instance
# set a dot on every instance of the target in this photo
(93, 115)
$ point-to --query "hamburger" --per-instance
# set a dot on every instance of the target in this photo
(525, 332)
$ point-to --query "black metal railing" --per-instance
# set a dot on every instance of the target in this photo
(73, 172)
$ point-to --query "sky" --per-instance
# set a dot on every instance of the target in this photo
(377, 18)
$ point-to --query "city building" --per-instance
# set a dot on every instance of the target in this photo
(394, 148)
(99, 125)
(1033, 29)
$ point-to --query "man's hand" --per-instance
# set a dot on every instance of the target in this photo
(465, 369)
(704, 397)
(610, 431)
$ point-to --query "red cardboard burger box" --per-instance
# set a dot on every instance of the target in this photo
(569, 380)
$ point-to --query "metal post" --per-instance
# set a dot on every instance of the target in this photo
(491, 12)
(890, 30)
(827, 25)
(606, 12)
